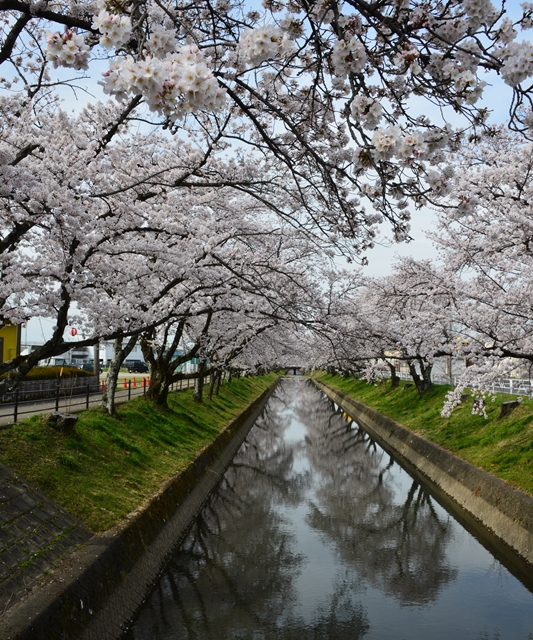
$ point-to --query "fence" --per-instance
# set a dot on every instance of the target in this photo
(512, 386)
(35, 389)
(63, 395)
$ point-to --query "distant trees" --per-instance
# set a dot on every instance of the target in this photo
(391, 319)
(474, 300)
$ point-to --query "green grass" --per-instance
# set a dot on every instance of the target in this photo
(109, 466)
(501, 447)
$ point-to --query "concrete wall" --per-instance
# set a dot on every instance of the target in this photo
(498, 514)
(106, 582)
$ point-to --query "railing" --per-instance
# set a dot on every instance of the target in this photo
(512, 386)
(69, 398)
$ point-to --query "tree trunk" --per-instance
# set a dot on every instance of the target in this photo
(394, 380)
(422, 381)
(219, 379)
(159, 386)
(212, 384)
(199, 382)
(160, 376)
(119, 355)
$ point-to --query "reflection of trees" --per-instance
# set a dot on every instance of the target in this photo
(396, 543)
(266, 460)
(217, 574)
(342, 618)
(235, 572)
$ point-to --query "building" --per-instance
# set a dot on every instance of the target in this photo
(9, 341)
(106, 353)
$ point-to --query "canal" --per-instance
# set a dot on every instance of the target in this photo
(316, 533)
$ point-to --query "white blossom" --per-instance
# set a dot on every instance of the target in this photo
(67, 50)
(175, 85)
(367, 110)
(264, 43)
(115, 29)
(348, 56)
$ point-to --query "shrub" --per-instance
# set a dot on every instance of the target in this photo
(53, 373)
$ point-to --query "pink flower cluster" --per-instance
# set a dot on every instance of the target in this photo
(179, 83)
(67, 50)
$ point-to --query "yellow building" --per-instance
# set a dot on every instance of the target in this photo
(9, 341)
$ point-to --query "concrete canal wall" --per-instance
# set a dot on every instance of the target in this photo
(97, 594)
(505, 514)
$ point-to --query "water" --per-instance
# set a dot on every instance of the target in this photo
(316, 533)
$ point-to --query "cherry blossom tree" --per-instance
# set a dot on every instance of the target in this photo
(116, 238)
(77, 229)
(415, 317)
(324, 89)
(259, 279)
(484, 240)
(381, 321)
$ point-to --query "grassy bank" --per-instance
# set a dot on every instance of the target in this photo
(110, 465)
(501, 447)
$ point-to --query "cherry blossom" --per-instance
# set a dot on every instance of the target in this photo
(67, 50)
(264, 43)
(324, 89)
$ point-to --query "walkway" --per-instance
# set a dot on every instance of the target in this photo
(74, 404)
(36, 536)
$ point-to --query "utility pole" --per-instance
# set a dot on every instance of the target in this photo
(96, 360)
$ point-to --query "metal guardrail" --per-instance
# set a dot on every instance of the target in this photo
(12, 408)
(512, 386)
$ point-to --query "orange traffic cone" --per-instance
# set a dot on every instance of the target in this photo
(103, 385)
(125, 384)
(134, 382)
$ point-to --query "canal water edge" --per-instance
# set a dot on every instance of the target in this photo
(110, 577)
(499, 515)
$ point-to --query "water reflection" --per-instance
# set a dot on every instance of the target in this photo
(394, 539)
(315, 533)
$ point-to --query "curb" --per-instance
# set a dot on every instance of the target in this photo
(109, 578)
(473, 495)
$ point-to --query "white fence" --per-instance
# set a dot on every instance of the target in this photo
(513, 386)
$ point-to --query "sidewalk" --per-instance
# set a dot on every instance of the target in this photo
(36, 536)
(75, 404)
